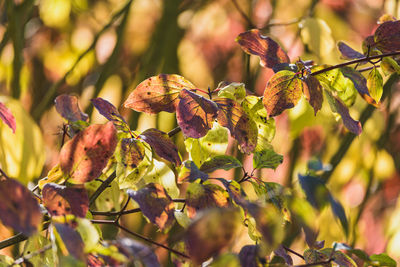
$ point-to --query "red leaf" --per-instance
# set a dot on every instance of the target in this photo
(195, 114)
(155, 204)
(60, 200)
(269, 51)
(67, 106)
(313, 92)
(84, 157)
(232, 116)
(283, 91)
(387, 36)
(7, 117)
(18, 207)
(158, 93)
(162, 144)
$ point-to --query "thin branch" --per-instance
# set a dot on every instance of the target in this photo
(179, 200)
(292, 251)
(33, 254)
(174, 131)
(115, 213)
(13, 240)
(101, 188)
(244, 16)
(4, 174)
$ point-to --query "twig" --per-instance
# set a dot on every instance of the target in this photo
(101, 188)
(292, 251)
(174, 131)
(33, 254)
(244, 16)
(115, 213)
(179, 200)
(4, 174)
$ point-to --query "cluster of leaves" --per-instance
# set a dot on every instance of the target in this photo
(111, 161)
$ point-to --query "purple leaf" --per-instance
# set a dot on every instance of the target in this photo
(7, 117)
(67, 106)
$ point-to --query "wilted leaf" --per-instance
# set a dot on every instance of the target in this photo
(70, 241)
(18, 207)
(67, 106)
(190, 172)
(203, 196)
(339, 212)
(7, 117)
(137, 251)
(338, 107)
(84, 157)
(162, 144)
(155, 204)
(387, 36)
(211, 232)
(375, 84)
(269, 51)
(267, 158)
(130, 152)
(283, 91)
(316, 192)
(195, 114)
(313, 92)
(248, 256)
(232, 116)
(348, 52)
(317, 35)
(360, 83)
(158, 93)
(61, 200)
(111, 113)
(224, 162)
(383, 260)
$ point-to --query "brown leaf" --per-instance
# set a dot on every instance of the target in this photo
(162, 144)
(387, 36)
(18, 207)
(130, 152)
(60, 200)
(232, 116)
(211, 232)
(71, 239)
(109, 111)
(158, 93)
(7, 117)
(203, 196)
(283, 91)
(67, 106)
(155, 204)
(313, 93)
(84, 157)
(269, 51)
(195, 114)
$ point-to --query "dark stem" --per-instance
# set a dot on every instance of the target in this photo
(4, 174)
(244, 16)
(179, 200)
(115, 213)
(292, 251)
(101, 188)
(174, 131)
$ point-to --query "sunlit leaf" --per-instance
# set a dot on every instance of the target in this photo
(109, 199)
(61, 200)
(283, 91)
(211, 232)
(35, 243)
(18, 207)
(266, 159)
(387, 36)
(234, 190)
(360, 83)
(155, 204)
(130, 152)
(375, 84)
(340, 258)
(55, 175)
(162, 144)
(67, 106)
(348, 52)
(195, 114)
(337, 106)
(111, 113)
(389, 66)
(269, 51)
(190, 172)
(139, 251)
(313, 92)
(224, 162)
(70, 241)
(317, 35)
(203, 196)
(383, 260)
(182, 218)
(84, 157)
(232, 116)
(89, 233)
(214, 143)
(7, 117)
(235, 91)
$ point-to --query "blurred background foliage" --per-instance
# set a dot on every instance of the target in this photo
(106, 47)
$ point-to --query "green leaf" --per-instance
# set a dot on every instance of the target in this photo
(234, 91)
(375, 84)
(6, 261)
(224, 162)
(269, 51)
(317, 35)
(283, 91)
(226, 260)
(7, 117)
(158, 93)
(214, 143)
(383, 260)
(267, 158)
(389, 66)
(190, 172)
(89, 234)
(35, 243)
(109, 199)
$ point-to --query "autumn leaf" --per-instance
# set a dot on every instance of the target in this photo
(348, 52)
(195, 114)
(67, 106)
(232, 116)
(84, 157)
(269, 51)
(69, 241)
(162, 144)
(130, 152)
(313, 92)
(224, 162)
(375, 84)
(18, 207)
(155, 204)
(7, 117)
(190, 172)
(111, 113)
(158, 93)
(387, 36)
(60, 200)
(283, 91)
